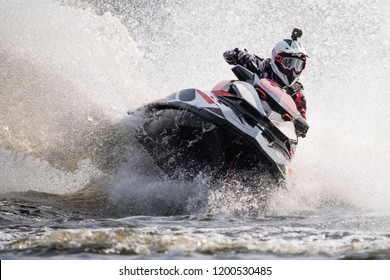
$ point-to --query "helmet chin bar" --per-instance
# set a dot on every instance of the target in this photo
(283, 76)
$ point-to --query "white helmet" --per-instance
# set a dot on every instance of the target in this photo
(289, 59)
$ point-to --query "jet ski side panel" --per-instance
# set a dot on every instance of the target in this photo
(191, 130)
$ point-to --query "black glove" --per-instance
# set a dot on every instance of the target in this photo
(243, 57)
(231, 56)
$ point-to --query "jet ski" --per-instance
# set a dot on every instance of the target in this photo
(245, 124)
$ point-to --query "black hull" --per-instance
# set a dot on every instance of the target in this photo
(182, 144)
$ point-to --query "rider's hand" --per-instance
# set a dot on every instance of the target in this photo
(300, 134)
(231, 56)
(243, 57)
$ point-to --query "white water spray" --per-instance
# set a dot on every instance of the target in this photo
(67, 73)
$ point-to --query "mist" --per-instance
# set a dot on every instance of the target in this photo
(70, 70)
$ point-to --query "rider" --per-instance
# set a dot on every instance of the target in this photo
(284, 67)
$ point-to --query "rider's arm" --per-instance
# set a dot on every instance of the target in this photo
(250, 61)
(296, 92)
(300, 101)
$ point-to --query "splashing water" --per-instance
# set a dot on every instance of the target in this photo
(70, 70)
(63, 91)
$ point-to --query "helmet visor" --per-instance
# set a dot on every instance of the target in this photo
(293, 63)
